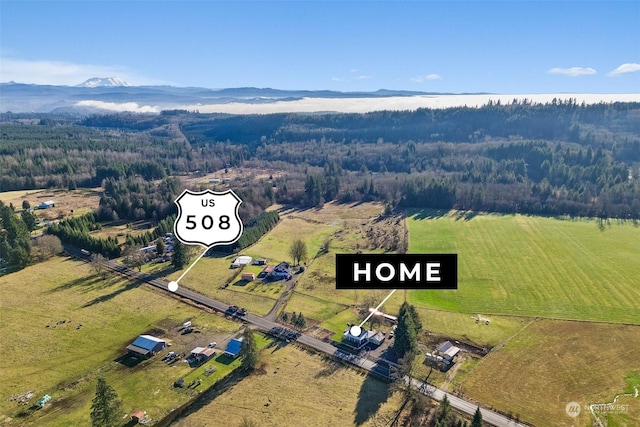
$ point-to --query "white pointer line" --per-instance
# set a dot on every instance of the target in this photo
(376, 310)
(192, 264)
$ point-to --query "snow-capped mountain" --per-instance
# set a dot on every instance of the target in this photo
(105, 82)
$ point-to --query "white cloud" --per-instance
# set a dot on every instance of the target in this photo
(119, 107)
(47, 72)
(363, 77)
(625, 69)
(420, 79)
(354, 70)
(338, 79)
(363, 105)
(573, 71)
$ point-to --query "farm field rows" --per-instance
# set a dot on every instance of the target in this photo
(533, 266)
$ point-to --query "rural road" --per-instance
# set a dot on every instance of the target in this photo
(458, 403)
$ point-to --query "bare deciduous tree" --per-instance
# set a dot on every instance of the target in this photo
(47, 246)
(97, 261)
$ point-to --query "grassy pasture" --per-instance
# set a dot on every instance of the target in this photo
(551, 363)
(533, 266)
(64, 359)
(210, 273)
(296, 388)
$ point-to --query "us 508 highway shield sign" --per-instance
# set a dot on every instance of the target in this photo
(208, 218)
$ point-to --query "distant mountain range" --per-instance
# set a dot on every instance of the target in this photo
(103, 94)
(105, 82)
(112, 94)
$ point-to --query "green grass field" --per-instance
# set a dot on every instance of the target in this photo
(533, 266)
(101, 317)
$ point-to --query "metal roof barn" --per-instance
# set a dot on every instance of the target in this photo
(146, 345)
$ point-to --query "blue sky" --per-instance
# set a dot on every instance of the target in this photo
(500, 47)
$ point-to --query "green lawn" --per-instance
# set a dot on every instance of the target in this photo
(533, 266)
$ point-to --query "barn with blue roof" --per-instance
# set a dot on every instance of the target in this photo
(233, 347)
(146, 346)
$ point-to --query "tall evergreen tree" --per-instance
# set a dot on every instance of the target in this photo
(180, 255)
(477, 419)
(106, 408)
(160, 246)
(444, 413)
(249, 350)
(406, 339)
(410, 310)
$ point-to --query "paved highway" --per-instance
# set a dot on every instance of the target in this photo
(488, 416)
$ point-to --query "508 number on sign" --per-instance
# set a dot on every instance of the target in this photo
(208, 222)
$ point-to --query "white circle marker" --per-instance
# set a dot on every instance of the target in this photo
(355, 330)
(573, 409)
(173, 286)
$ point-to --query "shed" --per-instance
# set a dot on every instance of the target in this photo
(260, 261)
(46, 205)
(137, 416)
(202, 353)
(233, 347)
(448, 351)
(146, 346)
(249, 277)
(377, 339)
(241, 261)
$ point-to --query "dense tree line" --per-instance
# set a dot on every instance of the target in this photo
(144, 239)
(15, 240)
(557, 120)
(66, 155)
(255, 228)
(76, 231)
(134, 198)
(555, 158)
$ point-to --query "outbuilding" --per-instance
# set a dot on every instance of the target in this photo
(46, 205)
(249, 277)
(233, 347)
(202, 353)
(146, 346)
(241, 261)
(448, 351)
